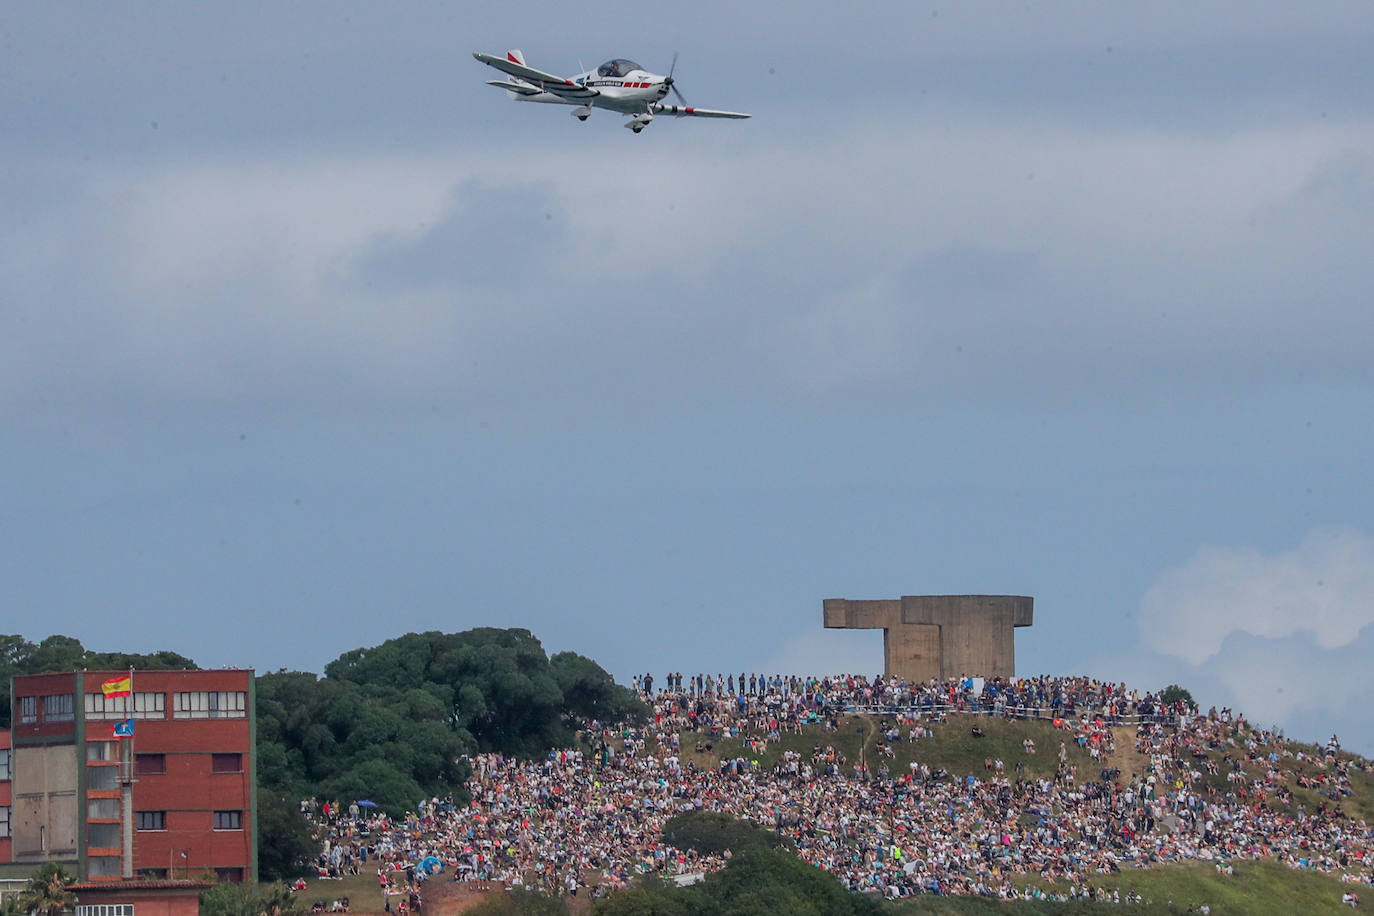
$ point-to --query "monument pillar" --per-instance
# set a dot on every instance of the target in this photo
(939, 636)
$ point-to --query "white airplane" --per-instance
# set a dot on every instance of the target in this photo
(617, 85)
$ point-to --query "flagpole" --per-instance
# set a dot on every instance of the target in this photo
(127, 787)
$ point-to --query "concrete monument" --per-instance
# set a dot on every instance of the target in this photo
(940, 636)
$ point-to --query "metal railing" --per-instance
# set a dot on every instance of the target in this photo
(1040, 713)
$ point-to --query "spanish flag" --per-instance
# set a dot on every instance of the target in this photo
(117, 686)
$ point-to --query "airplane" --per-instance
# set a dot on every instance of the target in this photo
(617, 85)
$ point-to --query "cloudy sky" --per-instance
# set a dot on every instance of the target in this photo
(308, 338)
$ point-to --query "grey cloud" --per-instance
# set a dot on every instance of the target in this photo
(484, 233)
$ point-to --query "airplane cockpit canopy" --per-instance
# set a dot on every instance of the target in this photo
(617, 67)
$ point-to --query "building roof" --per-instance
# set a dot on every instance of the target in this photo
(142, 884)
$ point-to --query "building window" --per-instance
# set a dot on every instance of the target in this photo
(102, 809)
(143, 706)
(228, 820)
(152, 820)
(28, 709)
(4, 821)
(104, 836)
(58, 708)
(226, 763)
(102, 779)
(99, 706)
(150, 706)
(4, 764)
(209, 704)
(227, 875)
(150, 764)
(101, 751)
(104, 867)
(106, 909)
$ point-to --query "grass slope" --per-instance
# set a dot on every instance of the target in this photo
(1256, 889)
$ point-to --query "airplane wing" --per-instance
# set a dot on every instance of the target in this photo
(546, 81)
(682, 111)
(517, 88)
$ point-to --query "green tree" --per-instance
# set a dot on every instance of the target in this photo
(64, 653)
(762, 881)
(117, 661)
(229, 899)
(712, 833)
(377, 780)
(520, 903)
(285, 841)
(15, 652)
(590, 693)
(47, 891)
(1174, 694)
(56, 653)
(276, 898)
(650, 898)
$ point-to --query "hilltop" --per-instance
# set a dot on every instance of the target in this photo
(915, 792)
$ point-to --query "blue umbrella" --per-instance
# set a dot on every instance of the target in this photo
(367, 804)
(431, 865)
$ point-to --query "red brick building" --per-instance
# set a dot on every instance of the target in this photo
(174, 800)
(10, 885)
(139, 898)
(5, 796)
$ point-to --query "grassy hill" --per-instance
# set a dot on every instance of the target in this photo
(953, 747)
(1265, 887)
(1255, 887)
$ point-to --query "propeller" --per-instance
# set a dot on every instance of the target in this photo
(668, 81)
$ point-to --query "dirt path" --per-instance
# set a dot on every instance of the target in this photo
(1126, 758)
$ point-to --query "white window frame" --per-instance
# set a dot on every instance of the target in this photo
(28, 710)
(150, 705)
(235, 816)
(92, 770)
(96, 868)
(53, 711)
(109, 750)
(105, 909)
(106, 803)
(147, 705)
(114, 828)
(210, 704)
(160, 816)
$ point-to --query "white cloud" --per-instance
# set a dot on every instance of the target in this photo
(1324, 586)
(988, 258)
(1283, 637)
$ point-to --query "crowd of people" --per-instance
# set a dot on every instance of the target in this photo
(1208, 787)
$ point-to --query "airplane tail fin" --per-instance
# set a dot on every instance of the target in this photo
(516, 57)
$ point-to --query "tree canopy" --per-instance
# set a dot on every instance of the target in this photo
(392, 723)
(759, 881)
(65, 653)
(714, 832)
(1176, 694)
(285, 840)
(48, 891)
